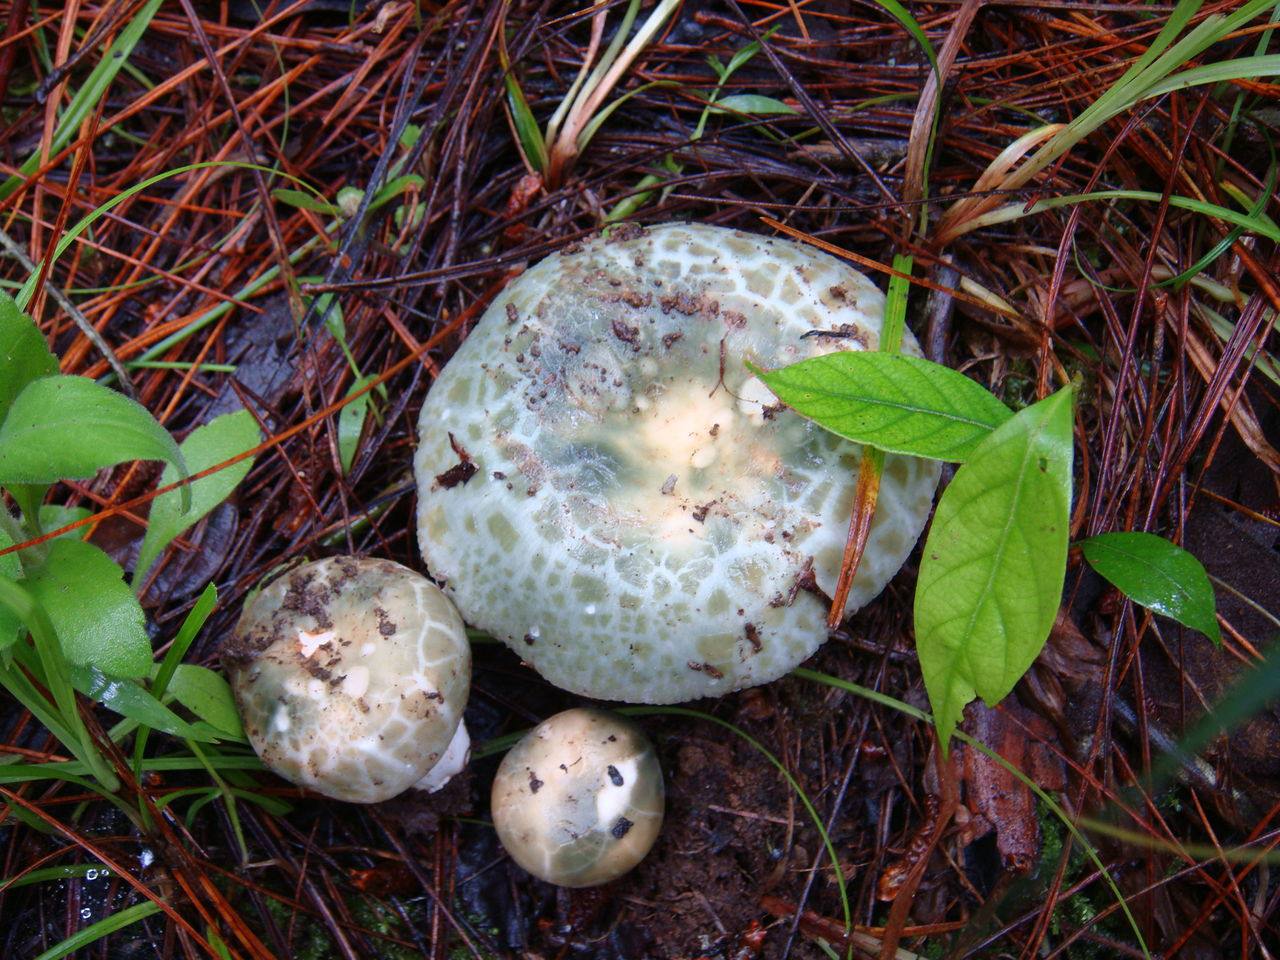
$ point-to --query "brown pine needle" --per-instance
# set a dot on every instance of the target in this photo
(865, 494)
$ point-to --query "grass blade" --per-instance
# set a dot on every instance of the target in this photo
(96, 931)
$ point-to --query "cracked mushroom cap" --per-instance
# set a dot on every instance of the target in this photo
(351, 676)
(579, 801)
(604, 486)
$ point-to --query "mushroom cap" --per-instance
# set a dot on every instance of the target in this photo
(351, 676)
(604, 486)
(579, 801)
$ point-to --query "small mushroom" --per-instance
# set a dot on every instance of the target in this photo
(604, 485)
(351, 676)
(579, 801)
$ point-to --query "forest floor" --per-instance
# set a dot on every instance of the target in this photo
(375, 154)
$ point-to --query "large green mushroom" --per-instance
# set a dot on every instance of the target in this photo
(604, 485)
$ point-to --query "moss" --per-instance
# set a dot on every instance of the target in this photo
(380, 919)
(310, 940)
(1082, 908)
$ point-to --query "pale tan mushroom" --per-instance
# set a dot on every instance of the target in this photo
(351, 676)
(579, 801)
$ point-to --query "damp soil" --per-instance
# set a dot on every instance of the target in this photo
(735, 839)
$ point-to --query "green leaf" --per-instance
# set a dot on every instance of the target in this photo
(24, 354)
(410, 135)
(53, 516)
(186, 635)
(351, 423)
(219, 440)
(97, 619)
(1245, 68)
(330, 309)
(1261, 225)
(102, 928)
(393, 189)
(162, 674)
(532, 143)
(895, 303)
(27, 877)
(304, 201)
(744, 55)
(896, 403)
(130, 699)
(44, 660)
(1160, 576)
(10, 568)
(207, 695)
(751, 103)
(71, 427)
(912, 26)
(991, 576)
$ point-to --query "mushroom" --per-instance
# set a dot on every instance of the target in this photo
(605, 487)
(351, 676)
(578, 801)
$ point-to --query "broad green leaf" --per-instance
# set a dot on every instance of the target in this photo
(64, 427)
(893, 402)
(1155, 573)
(97, 618)
(10, 568)
(44, 662)
(351, 423)
(24, 354)
(207, 695)
(751, 103)
(219, 440)
(130, 699)
(991, 576)
(54, 516)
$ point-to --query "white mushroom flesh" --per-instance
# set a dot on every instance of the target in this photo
(633, 514)
(579, 801)
(351, 676)
(452, 763)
